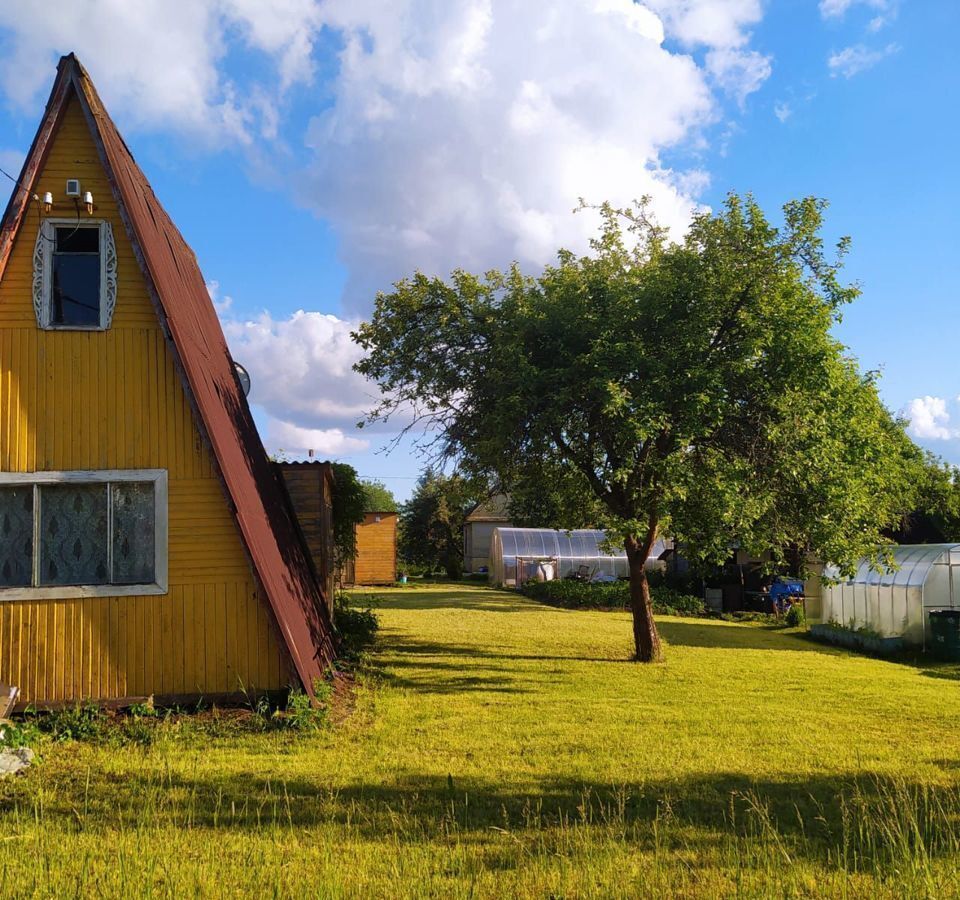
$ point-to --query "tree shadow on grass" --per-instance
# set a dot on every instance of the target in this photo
(812, 818)
(945, 672)
(721, 635)
(480, 599)
(398, 645)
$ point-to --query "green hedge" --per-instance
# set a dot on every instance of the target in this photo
(667, 601)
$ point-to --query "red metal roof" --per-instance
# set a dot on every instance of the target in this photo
(206, 368)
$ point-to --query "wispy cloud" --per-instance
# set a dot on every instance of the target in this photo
(885, 11)
(857, 58)
(782, 110)
(837, 9)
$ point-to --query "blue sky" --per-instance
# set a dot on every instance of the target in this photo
(312, 152)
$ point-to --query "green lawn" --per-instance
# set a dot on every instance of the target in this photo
(502, 748)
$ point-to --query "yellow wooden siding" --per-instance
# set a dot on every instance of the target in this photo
(376, 561)
(113, 400)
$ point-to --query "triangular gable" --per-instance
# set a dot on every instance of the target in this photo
(197, 343)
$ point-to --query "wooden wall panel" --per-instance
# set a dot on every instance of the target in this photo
(308, 487)
(113, 400)
(376, 561)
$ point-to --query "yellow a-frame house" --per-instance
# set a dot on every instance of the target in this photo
(145, 543)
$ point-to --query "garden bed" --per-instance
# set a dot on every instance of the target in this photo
(667, 601)
(858, 639)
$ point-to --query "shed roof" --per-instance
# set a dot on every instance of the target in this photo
(494, 509)
(196, 340)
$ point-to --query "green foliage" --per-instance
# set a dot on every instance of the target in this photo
(144, 710)
(379, 498)
(795, 617)
(82, 722)
(431, 522)
(301, 714)
(545, 494)
(690, 388)
(19, 733)
(613, 595)
(936, 514)
(357, 627)
(349, 506)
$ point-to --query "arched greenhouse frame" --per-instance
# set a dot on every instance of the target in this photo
(518, 555)
(897, 603)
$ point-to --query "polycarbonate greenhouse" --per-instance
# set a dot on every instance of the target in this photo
(897, 603)
(542, 554)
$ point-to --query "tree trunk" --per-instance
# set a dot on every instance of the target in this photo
(646, 638)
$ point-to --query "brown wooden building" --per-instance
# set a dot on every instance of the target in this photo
(309, 486)
(376, 561)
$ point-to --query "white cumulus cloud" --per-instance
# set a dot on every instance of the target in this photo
(301, 368)
(299, 441)
(451, 132)
(462, 133)
(161, 64)
(930, 419)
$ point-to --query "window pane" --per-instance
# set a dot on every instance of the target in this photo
(75, 298)
(78, 240)
(73, 534)
(16, 536)
(133, 532)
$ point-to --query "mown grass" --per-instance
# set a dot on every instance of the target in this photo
(501, 748)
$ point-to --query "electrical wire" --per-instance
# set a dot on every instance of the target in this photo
(35, 197)
(17, 182)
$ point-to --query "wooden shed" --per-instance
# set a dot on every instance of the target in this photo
(478, 528)
(309, 485)
(146, 545)
(376, 561)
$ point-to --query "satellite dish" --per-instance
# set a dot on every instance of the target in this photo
(244, 377)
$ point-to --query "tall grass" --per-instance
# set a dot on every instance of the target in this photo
(176, 836)
(502, 748)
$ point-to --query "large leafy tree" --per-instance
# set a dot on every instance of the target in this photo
(431, 521)
(691, 388)
(935, 515)
(379, 498)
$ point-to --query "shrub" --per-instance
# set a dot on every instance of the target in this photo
(301, 714)
(612, 595)
(357, 627)
(795, 617)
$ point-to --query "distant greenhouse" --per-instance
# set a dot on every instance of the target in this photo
(542, 554)
(897, 603)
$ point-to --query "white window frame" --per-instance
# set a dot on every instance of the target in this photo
(71, 591)
(43, 272)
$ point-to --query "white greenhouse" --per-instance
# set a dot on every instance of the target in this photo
(897, 603)
(518, 555)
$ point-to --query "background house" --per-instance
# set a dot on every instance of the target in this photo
(478, 529)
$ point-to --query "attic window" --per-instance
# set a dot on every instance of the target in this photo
(82, 534)
(74, 275)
